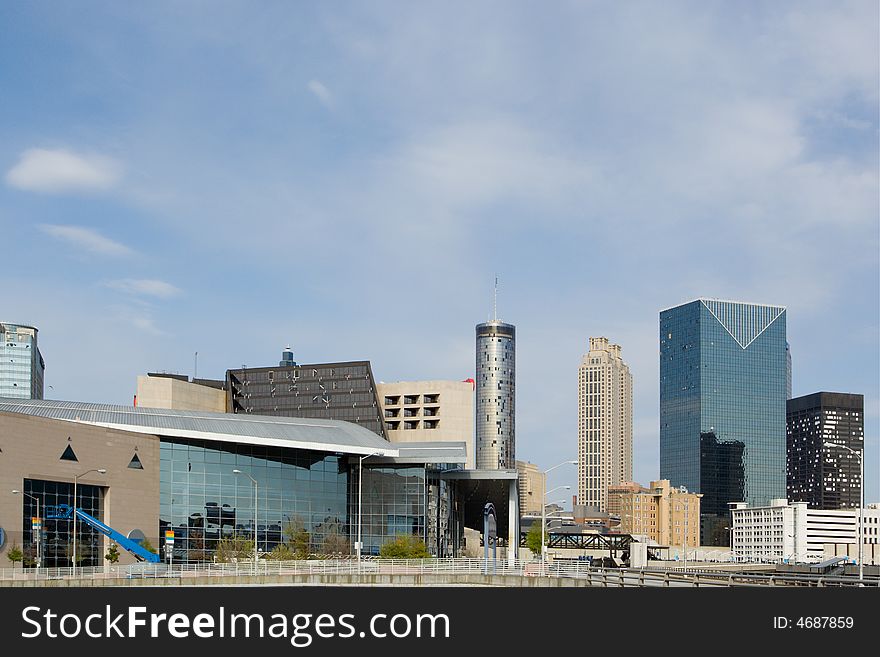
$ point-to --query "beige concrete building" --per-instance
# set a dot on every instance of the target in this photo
(161, 391)
(39, 453)
(669, 516)
(604, 423)
(617, 492)
(429, 411)
(531, 487)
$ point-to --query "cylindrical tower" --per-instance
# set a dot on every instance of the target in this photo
(496, 396)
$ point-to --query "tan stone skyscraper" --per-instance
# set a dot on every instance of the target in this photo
(604, 423)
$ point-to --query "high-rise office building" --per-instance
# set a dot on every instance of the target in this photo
(21, 363)
(825, 477)
(604, 423)
(723, 380)
(495, 431)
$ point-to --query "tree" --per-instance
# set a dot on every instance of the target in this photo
(15, 555)
(233, 550)
(299, 540)
(112, 554)
(533, 539)
(405, 546)
(29, 559)
(281, 552)
(148, 546)
(335, 543)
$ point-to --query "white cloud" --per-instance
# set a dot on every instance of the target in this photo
(145, 287)
(322, 93)
(86, 239)
(57, 171)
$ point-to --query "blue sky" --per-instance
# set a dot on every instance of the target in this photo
(231, 177)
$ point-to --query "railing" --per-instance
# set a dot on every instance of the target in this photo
(607, 577)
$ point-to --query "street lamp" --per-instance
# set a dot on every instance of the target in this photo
(238, 472)
(684, 532)
(553, 513)
(75, 481)
(544, 507)
(360, 545)
(860, 454)
(544, 521)
(38, 538)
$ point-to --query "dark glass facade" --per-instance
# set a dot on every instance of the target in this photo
(329, 391)
(203, 501)
(723, 387)
(825, 477)
(57, 540)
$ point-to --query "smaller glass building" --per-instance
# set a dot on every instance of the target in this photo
(21, 363)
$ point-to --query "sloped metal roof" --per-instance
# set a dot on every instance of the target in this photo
(295, 433)
(451, 452)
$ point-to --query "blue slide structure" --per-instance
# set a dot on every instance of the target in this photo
(64, 511)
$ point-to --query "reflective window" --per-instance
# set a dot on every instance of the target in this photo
(204, 501)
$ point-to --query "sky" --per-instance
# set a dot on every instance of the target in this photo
(348, 178)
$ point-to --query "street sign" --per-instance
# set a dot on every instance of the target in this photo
(169, 537)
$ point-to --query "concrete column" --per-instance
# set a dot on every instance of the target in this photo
(512, 520)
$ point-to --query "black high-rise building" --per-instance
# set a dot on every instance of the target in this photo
(825, 477)
(328, 391)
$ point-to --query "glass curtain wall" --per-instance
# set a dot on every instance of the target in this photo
(204, 501)
(58, 534)
(393, 504)
(406, 500)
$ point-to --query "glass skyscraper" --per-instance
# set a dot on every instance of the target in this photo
(723, 389)
(495, 431)
(21, 364)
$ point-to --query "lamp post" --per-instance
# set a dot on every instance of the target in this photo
(544, 492)
(544, 519)
(75, 506)
(684, 532)
(860, 454)
(38, 539)
(360, 545)
(553, 513)
(256, 552)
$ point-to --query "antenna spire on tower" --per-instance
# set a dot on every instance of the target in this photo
(495, 301)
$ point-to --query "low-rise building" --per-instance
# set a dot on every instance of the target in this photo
(667, 515)
(791, 531)
(617, 492)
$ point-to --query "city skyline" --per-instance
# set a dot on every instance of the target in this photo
(365, 159)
